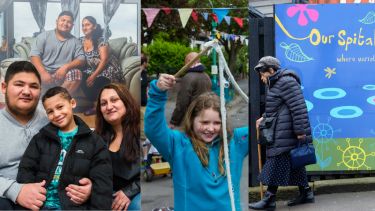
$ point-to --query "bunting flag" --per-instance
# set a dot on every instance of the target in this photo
(150, 13)
(227, 19)
(242, 38)
(205, 15)
(239, 21)
(194, 15)
(214, 16)
(218, 15)
(221, 13)
(233, 37)
(184, 15)
(166, 10)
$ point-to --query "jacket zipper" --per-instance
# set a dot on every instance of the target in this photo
(55, 165)
(63, 169)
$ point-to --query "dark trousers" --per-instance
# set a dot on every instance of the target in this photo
(92, 92)
(6, 204)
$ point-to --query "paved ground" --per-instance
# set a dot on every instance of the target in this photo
(159, 192)
(357, 201)
(331, 195)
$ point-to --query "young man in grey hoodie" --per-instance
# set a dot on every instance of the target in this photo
(20, 120)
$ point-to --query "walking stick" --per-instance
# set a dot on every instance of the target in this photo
(259, 164)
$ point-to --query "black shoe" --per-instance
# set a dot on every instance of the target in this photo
(305, 196)
(267, 203)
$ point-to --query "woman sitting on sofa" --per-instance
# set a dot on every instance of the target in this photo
(102, 67)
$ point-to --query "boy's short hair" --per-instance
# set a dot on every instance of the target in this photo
(21, 67)
(67, 13)
(55, 91)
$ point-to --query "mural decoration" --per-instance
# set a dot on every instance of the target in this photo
(332, 48)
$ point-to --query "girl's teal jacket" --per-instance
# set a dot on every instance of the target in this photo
(195, 187)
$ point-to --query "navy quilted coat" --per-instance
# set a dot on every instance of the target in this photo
(284, 94)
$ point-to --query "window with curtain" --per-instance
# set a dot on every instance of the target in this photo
(24, 23)
(123, 23)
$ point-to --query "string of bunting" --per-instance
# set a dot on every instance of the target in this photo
(226, 36)
(218, 15)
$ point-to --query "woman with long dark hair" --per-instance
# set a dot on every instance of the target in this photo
(118, 121)
(102, 67)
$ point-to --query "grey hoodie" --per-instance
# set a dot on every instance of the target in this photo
(14, 139)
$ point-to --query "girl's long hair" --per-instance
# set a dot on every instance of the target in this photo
(208, 100)
(130, 145)
(97, 33)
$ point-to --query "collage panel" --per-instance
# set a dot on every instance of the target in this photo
(185, 167)
(70, 105)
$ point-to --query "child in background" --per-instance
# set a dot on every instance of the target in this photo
(196, 156)
(63, 152)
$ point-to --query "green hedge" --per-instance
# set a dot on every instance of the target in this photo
(168, 57)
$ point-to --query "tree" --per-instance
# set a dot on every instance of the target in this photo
(172, 25)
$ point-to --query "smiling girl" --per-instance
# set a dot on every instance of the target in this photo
(197, 155)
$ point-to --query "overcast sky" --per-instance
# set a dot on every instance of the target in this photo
(123, 23)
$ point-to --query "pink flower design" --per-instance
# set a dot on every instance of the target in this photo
(302, 8)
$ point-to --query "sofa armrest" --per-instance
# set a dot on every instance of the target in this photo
(135, 85)
(22, 50)
(129, 49)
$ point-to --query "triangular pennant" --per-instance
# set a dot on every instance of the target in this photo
(150, 13)
(205, 15)
(227, 19)
(242, 37)
(218, 35)
(214, 16)
(239, 21)
(194, 15)
(225, 35)
(221, 13)
(184, 15)
(166, 10)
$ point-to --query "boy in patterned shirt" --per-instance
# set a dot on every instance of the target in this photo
(63, 152)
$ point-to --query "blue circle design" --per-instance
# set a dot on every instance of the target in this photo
(369, 87)
(329, 93)
(309, 105)
(371, 100)
(346, 112)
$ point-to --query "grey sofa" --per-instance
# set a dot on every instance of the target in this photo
(125, 52)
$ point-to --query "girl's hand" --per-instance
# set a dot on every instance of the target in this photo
(166, 82)
(121, 201)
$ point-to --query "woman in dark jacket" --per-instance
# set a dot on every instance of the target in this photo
(285, 100)
(118, 121)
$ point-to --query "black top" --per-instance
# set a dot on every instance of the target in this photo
(144, 84)
(125, 177)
